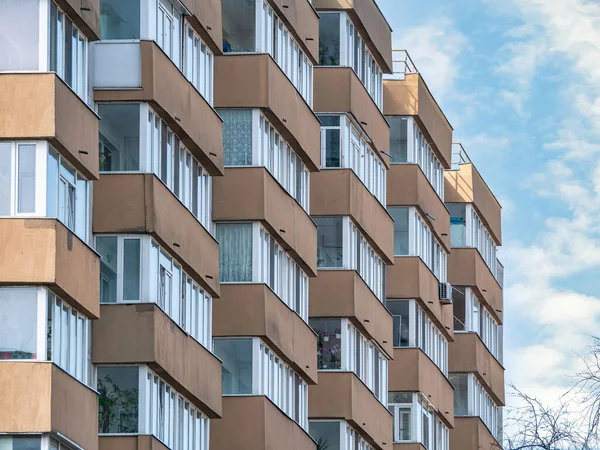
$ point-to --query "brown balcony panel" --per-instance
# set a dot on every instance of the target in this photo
(470, 433)
(41, 106)
(141, 203)
(256, 423)
(410, 278)
(411, 97)
(343, 293)
(407, 185)
(466, 185)
(88, 19)
(45, 252)
(469, 354)
(341, 395)
(339, 192)
(178, 103)
(412, 370)
(303, 20)
(466, 267)
(371, 23)
(251, 193)
(338, 90)
(38, 397)
(141, 442)
(144, 334)
(254, 310)
(206, 19)
(256, 81)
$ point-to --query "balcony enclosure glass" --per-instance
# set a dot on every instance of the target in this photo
(414, 237)
(36, 181)
(341, 347)
(413, 328)
(340, 44)
(135, 400)
(134, 139)
(36, 325)
(250, 367)
(337, 435)
(135, 269)
(249, 139)
(32, 442)
(340, 245)
(408, 145)
(252, 26)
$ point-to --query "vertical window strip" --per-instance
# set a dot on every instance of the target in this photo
(365, 259)
(425, 245)
(480, 238)
(198, 63)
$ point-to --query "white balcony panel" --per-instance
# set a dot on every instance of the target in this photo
(117, 65)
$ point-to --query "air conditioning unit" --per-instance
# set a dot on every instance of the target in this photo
(445, 293)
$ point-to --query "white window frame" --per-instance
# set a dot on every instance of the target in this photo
(198, 63)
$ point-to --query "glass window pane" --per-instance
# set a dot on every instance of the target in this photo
(398, 138)
(18, 323)
(400, 311)
(118, 401)
(119, 19)
(332, 148)
(51, 183)
(329, 343)
(326, 434)
(21, 443)
(5, 178)
(106, 246)
(19, 39)
(236, 355)
(460, 383)
(458, 224)
(330, 241)
(329, 39)
(239, 25)
(119, 143)
(401, 237)
(26, 177)
(235, 251)
(237, 136)
(459, 307)
(131, 269)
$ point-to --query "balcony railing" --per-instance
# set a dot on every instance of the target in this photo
(402, 65)
(459, 156)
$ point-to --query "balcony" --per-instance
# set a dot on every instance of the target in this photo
(141, 203)
(44, 251)
(410, 278)
(340, 192)
(256, 81)
(41, 398)
(466, 267)
(41, 106)
(371, 24)
(468, 354)
(411, 97)
(144, 334)
(407, 185)
(256, 423)
(470, 433)
(339, 90)
(464, 184)
(252, 194)
(146, 74)
(343, 293)
(341, 395)
(254, 310)
(411, 370)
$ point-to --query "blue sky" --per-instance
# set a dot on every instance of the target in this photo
(519, 81)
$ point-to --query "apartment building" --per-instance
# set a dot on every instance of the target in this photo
(221, 227)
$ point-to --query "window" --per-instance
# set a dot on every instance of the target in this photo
(199, 63)
(239, 26)
(340, 346)
(356, 253)
(135, 269)
(340, 44)
(21, 442)
(249, 254)
(119, 138)
(344, 146)
(458, 224)
(249, 139)
(409, 145)
(135, 400)
(119, 19)
(337, 435)
(68, 52)
(414, 237)
(37, 325)
(168, 32)
(471, 399)
(251, 368)
(413, 328)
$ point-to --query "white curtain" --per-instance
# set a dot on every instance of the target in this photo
(235, 251)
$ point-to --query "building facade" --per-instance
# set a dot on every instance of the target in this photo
(237, 224)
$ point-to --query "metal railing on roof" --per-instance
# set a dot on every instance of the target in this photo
(402, 64)
(459, 155)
